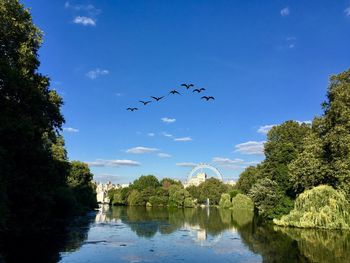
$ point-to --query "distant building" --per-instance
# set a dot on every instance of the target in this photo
(231, 182)
(196, 180)
(102, 192)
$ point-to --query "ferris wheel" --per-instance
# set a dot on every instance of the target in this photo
(203, 166)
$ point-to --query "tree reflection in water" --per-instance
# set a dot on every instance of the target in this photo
(44, 245)
(274, 244)
(204, 226)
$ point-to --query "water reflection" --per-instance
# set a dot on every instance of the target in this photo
(206, 227)
(137, 234)
(44, 245)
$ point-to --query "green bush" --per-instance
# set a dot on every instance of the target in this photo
(158, 200)
(242, 201)
(320, 207)
(135, 198)
(189, 202)
(225, 201)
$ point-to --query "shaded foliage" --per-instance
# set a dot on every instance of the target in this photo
(320, 207)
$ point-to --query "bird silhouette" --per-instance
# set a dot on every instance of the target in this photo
(145, 102)
(174, 92)
(187, 85)
(132, 109)
(157, 98)
(199, 90)
(208, 98)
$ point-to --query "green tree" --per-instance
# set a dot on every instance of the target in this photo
(79, 175)
(326, 155)
(284, 143)
(248, 178)
(167, 182)
(178, 195)
(135, 198)
(212, 189)
(145, 181)
(30, 121)
(269, 200)
(80, 181)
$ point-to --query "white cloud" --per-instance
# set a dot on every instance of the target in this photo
(93, 74)
(104, 178)
(285, 11)
(252, 163)
(114, 163)
(167, 134)
(164, 155)
(151, 134)
(183, 139)
(347, 11)
(225, 161)
(70, 129)
(186, 164)
(250, 147)
(90, 9)
(84, 20)
(265, 128)
(141, 150)
(168, 120)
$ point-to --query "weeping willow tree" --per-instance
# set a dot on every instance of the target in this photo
(320, 207)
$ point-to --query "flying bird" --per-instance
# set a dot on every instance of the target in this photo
(174, 92)
(187, 85)
(145, 102)
(132, 109)
(208, 98)
(199, 90)
(157, 98)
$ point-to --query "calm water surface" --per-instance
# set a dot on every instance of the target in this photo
(138, 234)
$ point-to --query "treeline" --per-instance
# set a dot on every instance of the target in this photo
(38, 183)
(302, 156)
(147, 190)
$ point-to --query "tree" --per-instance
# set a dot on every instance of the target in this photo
(309, 169)
(80, 181)
(212, 189)
(145, 181)
(167, 182)
(79, 175)
(135, 198)
(284, 143)
(248, 178)
(319, 207)
(269, 200)
(326, 155)
(30, 123)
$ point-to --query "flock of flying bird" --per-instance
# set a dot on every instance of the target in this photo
(173, 92)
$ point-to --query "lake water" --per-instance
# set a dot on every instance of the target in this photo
(140, 234)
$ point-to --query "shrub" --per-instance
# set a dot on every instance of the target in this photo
(241, 201)
(266, 197)
(225, 201)
(320, 207)
(189, 202)
(135, 198)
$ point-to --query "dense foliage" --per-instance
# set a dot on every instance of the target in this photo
(34, 168)
(148, 190)
(320, 207)
(301, 156)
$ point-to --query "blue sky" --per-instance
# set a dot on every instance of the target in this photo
(265, 63)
